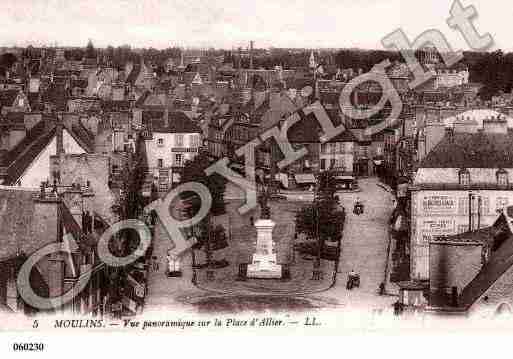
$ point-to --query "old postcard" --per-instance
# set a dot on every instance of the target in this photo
(177, 168)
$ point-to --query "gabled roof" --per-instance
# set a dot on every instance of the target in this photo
(134, 74)
(500, 261)
(7, 97)
(178, 122)
(308, 128)
(21, 157)
(471, 150)
(18, 221)
(37, 139)
(82, 135)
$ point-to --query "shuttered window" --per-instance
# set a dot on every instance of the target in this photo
(463, 205)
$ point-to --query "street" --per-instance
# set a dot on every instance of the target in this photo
(364, 250)
(364, 247)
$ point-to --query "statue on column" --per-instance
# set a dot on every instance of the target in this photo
(265, 210)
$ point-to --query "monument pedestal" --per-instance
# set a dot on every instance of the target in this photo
(264, 264)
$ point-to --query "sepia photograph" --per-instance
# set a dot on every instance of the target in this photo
(172, 168)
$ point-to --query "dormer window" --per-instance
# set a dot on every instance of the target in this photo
(464, 177)
(502, 177)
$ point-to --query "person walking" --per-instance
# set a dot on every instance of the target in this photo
(351, 279)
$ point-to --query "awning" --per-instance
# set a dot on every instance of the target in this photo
(305, 178)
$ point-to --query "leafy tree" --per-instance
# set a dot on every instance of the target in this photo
(194, 171)
(90, 51)
(7, 60)
(323, 219)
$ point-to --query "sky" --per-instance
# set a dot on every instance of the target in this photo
(231, 23)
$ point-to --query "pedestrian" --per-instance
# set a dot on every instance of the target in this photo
(382, 288)
(155, 263)
(351, 279)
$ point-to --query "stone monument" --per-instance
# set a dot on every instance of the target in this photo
(264, 264)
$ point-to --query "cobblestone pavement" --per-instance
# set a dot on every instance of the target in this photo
(364, 249)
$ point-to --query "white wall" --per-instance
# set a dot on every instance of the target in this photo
(39, 170)
(436, 213)
(154, 151)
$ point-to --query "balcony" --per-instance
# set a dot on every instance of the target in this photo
(185, 149)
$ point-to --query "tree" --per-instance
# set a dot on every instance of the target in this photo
(323, 219)
(7, 60)
(90, 51)
(194, 171)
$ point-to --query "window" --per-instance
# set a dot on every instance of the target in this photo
(462, 228)
(324, 148)
(178, 159)
(160, 142)
(464, 177)
(485, 205)
(323, 163)
(500, 203)
(179, 140)
(463, 205)
(194, 141)
(332, 163)
(160, 163)
(502, 177)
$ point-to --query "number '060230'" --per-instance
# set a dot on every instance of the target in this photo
(28, 347)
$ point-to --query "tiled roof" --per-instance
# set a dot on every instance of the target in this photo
(148, 115)
(16, 117)
(37, 131)
(81, 83)
(479, 236)
(56, 95)
(115, 106)
(82, 136)
(19, 223)
(178, 123)
(34, 99)
(500, 261)
(467, 150)
(26, 151)
(134, 74)
(7, 97)
(21, 156)
(307, 130)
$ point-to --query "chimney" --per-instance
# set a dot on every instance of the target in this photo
(59, 134)
(166, 117)
(251, 54)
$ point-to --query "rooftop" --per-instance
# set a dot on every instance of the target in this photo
(471, 150)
